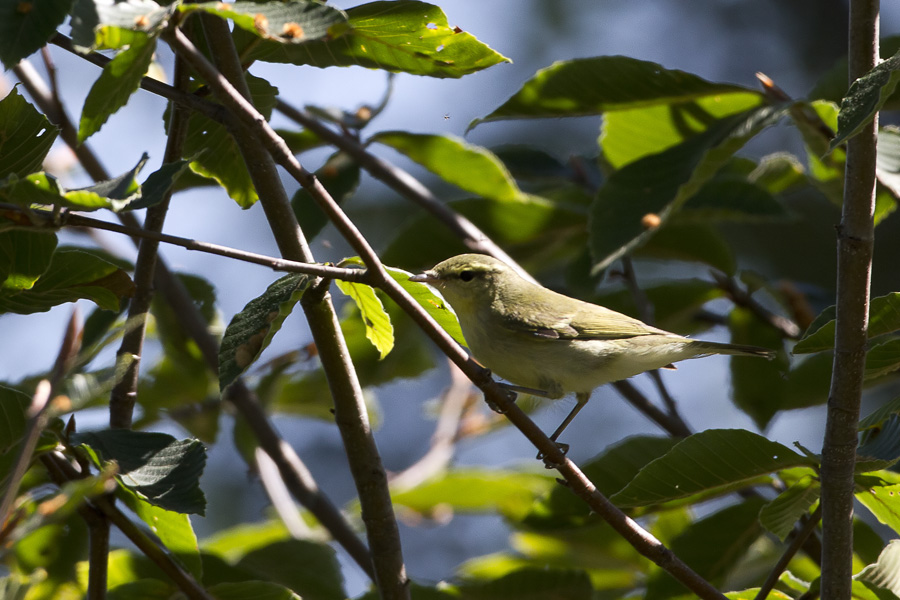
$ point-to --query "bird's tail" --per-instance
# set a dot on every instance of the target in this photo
(732, 349)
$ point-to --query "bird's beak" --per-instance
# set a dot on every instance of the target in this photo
(425, 277)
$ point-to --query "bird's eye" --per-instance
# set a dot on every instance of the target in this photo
(467, 275)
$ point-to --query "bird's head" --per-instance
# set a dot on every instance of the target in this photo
(469, 279)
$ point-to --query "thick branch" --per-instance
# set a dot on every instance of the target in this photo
(351, 416)
(855, 239)
(642, 540)
(295, 474)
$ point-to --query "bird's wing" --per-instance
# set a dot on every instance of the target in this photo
(581, 321)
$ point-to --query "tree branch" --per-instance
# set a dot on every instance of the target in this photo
(128, 359)
(855, 241)
(404, 184)
(61, 472)
(295, 474)
(351, 415)
(642, 540)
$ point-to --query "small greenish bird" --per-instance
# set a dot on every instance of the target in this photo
(550, 344)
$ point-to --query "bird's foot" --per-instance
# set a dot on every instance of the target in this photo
(550, 463)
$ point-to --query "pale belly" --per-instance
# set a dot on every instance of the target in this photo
(558, 367)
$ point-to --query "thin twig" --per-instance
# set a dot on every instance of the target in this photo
(279, 495)
(403, 183)
(672, 424)
(296, 475)
(638, 537)
(807, 526)
(646, 313)
(272, 262)
(741, 297)
(128, 358)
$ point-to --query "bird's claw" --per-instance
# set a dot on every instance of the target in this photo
(550, 464)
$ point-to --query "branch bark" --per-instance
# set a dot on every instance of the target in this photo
(855, 240)
(227, 82)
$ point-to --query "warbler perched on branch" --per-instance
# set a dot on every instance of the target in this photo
(549, 344)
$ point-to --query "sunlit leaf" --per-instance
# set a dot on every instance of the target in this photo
(705, 461)
(880, 493)
(292, 22)
(26, 255)
(472, 168)
(885, 573)
(172, 528)
(379, 330)
(119, 79)
(410, 37)
(72, 275)
(590, 86)
(306, 567)
(660, 184)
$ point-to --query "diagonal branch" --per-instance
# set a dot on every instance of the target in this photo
(638, 537)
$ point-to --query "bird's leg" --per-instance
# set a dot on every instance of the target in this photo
(581, 399)
(524, 390)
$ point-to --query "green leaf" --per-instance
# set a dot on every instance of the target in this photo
(406, 36)
(252, 329)
(472, 168)
(780, 515)
(431, 301)
(733, 198)
(172, 528)
(712, 546)
(292, 22)
(98, 25)
(308, 568)
(634, 133)
(611, 471)
(252, 590)
(162, 469)
(476, 491)
(759, 386)
(115, 193)
(883, 359)
(119, 79)
(881, 414)
(590, 86)
(72, 275)
(214, 154)
(881, 444)
(158, 184)
(379, 330)
(884, 317)
(864, 98)
(24, 257)
(25, 134)
(705, 461)
(690, 242)
(879, 492)
(25, 26)
(531, 583)
(660, 184)
(885, 573)
(340, 176)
